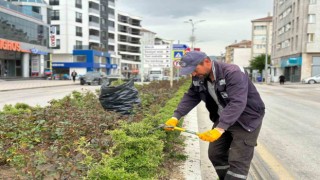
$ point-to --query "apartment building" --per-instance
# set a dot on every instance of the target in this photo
(296, 39)
(112, 37)
(261, 33)
(81, 36)
(239, 53)
(129, 43)
(24, 37)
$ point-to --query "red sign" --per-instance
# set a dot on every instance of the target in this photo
(195, 49)
(176, 64)
(9, 45)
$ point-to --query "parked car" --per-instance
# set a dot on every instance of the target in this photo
(312, 80)
(93, 77)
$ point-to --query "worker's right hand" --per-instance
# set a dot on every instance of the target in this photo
(171, 122)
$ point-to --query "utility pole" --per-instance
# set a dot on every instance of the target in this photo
(266, 58)
(193, 38)
(171, 66)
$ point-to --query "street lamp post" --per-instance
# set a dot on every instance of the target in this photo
(193, 38)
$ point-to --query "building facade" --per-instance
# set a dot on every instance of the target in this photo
(81, 36)
(296, 39)
(261, 34)
(24, 34)
(239, 53)
(129, 43)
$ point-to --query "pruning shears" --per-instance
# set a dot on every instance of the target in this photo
(163, 126)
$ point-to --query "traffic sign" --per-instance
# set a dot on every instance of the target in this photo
(157, 47)
(176, 64)
(157, 55)
(177, 54)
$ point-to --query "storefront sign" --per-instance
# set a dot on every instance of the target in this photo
(35, 64)
(52, 36)
(9, 45)
(37, 51)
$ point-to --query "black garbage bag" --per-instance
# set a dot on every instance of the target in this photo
(120, 98)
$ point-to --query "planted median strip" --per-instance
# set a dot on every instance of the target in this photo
(74, 137)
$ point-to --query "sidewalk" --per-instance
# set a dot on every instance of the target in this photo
(291, 85)
(29, 84)
(197, 166)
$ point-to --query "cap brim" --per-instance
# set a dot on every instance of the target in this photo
(187, 70)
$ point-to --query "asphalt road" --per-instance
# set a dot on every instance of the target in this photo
(40, 96)
(291, 130)
(289, 141)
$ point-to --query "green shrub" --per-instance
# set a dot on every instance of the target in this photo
(74, 137)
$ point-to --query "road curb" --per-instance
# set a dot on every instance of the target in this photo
(191, 168)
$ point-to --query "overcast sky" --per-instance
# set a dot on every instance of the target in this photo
(225, 20)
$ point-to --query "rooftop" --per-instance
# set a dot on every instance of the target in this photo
(265, 19)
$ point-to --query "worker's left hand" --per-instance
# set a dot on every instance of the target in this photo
(211, 135)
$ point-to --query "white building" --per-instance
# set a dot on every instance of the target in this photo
(81, 36)
(259, 36)
(128, 35)
(241, 56)
(296, 37)
(239, 53)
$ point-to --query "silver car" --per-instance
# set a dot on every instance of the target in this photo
(92, 77)
(312, 80)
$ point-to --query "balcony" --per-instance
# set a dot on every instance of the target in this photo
(111, 16)
(94, 24)
(96, 1)
(111, 29)
(94, 11)
(111, 41)
(93, 46)
(111, 4)
(94, 38)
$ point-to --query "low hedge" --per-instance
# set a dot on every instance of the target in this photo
(75, 138)
(137, 151)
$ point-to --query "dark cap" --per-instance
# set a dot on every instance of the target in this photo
(190, 61)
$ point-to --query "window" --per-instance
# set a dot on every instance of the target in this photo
(312, 1)
(296, 43)
(78, 17)
(54, 2)
(260, 37)
(55, 15)
(78, 44)
(80, 58)
(58, 44)
(310, 37)
(78, 4)
(103, 35)
(103, 21)
(103, 8)
(57, 29)
(260, 46)
(311, 18)
(260, 27)
(79, 31)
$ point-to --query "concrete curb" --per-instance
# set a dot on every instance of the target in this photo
(192, 166)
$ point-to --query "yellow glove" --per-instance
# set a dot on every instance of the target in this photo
(171, 122)
(211, 135)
